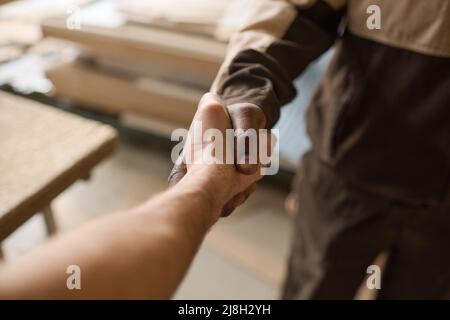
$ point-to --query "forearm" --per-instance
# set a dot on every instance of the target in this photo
(141, 253)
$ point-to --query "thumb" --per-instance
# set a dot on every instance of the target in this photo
(211, 114)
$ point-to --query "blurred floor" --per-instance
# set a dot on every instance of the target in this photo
(243, 256)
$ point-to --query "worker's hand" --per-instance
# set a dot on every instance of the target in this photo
(229, 187)
(241, 116)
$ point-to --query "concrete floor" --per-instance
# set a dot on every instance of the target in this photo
(243, 256)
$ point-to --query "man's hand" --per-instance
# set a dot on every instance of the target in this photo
(246, 116)
(213, 114)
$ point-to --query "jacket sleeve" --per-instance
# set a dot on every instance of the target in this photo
(275, 45)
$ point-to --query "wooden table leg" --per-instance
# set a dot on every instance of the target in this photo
(49, 218)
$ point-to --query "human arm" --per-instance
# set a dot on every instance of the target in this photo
(142, 253)
(275, 45)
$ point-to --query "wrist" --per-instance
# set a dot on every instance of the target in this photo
(205, 193)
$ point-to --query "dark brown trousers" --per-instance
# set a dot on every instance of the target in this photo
(340, 230)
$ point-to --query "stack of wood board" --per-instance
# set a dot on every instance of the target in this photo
(34, 11)
(156, 74)
(138, 71)
(15, 38)
(214, 18)
(169, 103)
(154, 51)
(193, 16)
(21, 67)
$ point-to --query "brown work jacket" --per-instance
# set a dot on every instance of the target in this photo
(381, 115)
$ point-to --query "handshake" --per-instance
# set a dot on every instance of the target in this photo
(226, 151)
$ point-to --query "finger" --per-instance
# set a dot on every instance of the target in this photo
(179, 170)
(237, 200)
(246, 181)
(246, 116)
(210, 123)
(227, 211)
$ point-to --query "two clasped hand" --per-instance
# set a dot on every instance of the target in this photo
(229, 185)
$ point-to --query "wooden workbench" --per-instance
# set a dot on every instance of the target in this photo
(43, 152)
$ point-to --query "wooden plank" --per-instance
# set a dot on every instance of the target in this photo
(193, 55)
(44, 151)
(156, 127)
(20, 33)
(35, 11)
(193, 16)
(147, 97)
(153, 70)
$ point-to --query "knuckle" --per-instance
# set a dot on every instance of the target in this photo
(210, 103)
(248, 113)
